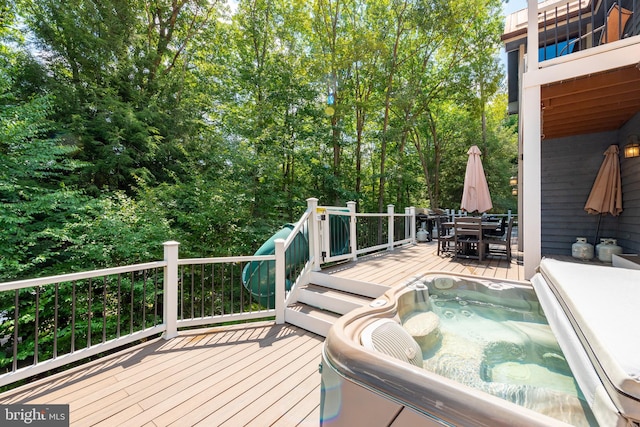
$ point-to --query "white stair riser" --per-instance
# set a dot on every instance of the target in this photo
(307, 322)
(326, 302)
(371, 290)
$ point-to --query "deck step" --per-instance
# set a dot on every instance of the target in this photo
(310, 318)
(358, 287)
(329, 299)
(321, 303)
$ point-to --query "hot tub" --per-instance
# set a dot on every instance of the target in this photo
(462, 350)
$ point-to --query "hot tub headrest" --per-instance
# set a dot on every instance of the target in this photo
(390, 338)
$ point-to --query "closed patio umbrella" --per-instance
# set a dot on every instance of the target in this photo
(475, 195)
(606, 193)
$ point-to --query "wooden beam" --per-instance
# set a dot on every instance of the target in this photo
(608, 112)
(572, 130)
(596, 99)
(620, 77)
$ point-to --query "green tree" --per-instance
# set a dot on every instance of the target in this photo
(35, 203)
(118, 70)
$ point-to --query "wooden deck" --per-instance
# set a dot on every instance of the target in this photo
(398, 266)
(257, 374)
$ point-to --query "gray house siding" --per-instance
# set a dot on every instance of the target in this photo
(569, 167)
(629, 225)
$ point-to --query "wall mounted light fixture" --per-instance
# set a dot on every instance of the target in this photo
(632, 149)
(513, 181)
(514, 191)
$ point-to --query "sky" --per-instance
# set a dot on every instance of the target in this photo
(514, 5)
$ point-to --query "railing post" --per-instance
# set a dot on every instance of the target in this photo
(411, 211)
(353, 237)
(280, 280)
(315, 253)
(170, 294)
(390, 212)
(407, 226)
(532, 36)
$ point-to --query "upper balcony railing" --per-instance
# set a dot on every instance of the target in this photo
(568, 27)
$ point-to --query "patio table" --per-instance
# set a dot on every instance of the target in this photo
(486, 226)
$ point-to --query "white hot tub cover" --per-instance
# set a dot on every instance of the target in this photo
(601, 303)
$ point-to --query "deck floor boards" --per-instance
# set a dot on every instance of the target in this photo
(403, 264)
(256, 374)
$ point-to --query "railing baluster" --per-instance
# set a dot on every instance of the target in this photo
(73, 317)
(16, 314)
(36, 327)
(119, 308)
(144, 299)
(131, 303)
(242, 305)
(593, 24)
(566, 27)
(544, 37)
(202, 290)
(634, 19)
(232, 283)
(155, 297)
(55, 323)
(104, 309)
(222, 288)
(89, 317)
(250, 297)
(604, 36)
(182, 292)
(192, 296)
(213, 289)
(579, 28)
(555, 32)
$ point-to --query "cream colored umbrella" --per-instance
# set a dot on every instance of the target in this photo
(475, 195)
(606, 193)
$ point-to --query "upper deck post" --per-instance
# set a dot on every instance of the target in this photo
(170, 297)
(314, 238)
(390, 212)
(532, 35)
(280, 280)
(531, 149)
(410, 221)
(353, 227)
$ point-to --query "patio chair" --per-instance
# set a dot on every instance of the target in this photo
(500, 245)
(468, 237)
(446, 237)
(499, 231)
(617, 18)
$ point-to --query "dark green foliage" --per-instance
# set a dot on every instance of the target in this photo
(124, 124)
(128, 123)
(35, 204)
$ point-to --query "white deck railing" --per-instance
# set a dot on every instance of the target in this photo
(58, 320)
(344, 234)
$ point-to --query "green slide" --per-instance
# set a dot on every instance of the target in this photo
(259, 277)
